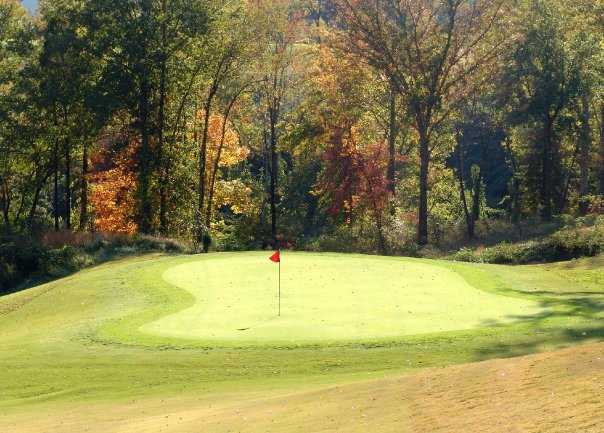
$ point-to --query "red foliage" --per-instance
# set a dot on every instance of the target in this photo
(354, 176)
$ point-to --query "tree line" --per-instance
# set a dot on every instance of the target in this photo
(304, 123)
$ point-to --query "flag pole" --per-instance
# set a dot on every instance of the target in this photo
(276, 258)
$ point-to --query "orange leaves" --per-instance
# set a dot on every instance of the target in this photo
(113, 190)
(226, 148)
(231, 153)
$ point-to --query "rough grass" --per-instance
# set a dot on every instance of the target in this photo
(78, 340)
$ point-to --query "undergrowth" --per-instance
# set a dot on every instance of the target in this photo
(25, 260)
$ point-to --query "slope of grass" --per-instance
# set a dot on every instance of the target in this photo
(83, 339)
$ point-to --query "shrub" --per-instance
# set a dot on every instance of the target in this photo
(24, 259)
(581, 237)
(341, 240)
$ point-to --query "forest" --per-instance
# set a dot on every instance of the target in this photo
(327, 125)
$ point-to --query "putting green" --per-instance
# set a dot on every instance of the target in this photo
(326, 298)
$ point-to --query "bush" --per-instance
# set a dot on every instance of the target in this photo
(342, 240)
(24, 259)
(582, 237)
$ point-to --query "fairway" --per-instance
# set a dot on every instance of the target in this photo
(326, 298)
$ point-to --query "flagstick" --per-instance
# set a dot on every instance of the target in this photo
(279, 287)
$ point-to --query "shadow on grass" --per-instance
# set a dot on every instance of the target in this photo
(563, 321)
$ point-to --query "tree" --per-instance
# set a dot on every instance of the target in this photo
(432, 51)
(137, 39)
(69, 77)
(25, 158)
(545, 80)
(281, 23)
(227, 51)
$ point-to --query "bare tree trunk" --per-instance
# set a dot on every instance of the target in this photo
(84, 191)
(462, 188)
(274, 174)
(381, 239)
(145, 161)
(514, 186)
(424, 145)
(476, 192)
(68, 185)
(163, 187)
(602, 148)
(34, 206)
(202, 235)
(40, 181)
(392, 135)
(546, 170)
(6, 202)
(216, 164)
(55, 206)
(584, 151)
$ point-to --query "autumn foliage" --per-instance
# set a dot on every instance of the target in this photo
(354, 175)
(114, 187)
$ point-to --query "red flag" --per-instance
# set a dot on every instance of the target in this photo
(276, 257)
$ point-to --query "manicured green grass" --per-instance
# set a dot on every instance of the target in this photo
(326, 298)
(97, 336)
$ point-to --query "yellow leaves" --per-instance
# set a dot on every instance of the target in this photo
(113, 191)
(231, 153)
(227, 148)
(236, 195)
(224, 150)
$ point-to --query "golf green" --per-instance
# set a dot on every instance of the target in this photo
(326, 298)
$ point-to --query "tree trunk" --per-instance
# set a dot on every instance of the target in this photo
(514, 186)
(476, 193)
(40, 181)
(462, 189)
(546, 171)
(202, 235)
(163, 187)
(274, 175)
(216, 164)
(424, 147)
(145, 161)
(84, 191)
(55, 206)
(381, 239)
(516, 201)
(602, 148)
(6, 202)
(392, 135)
(68, 185)
(34, 206)
(584, 150)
